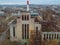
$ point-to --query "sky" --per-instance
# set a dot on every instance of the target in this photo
(22, 2)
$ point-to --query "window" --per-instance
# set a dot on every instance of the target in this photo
(36, 30)
(25, 17)
(25, 31)
(14, 31)
(22, 17)
(49, 36)
(22, 31)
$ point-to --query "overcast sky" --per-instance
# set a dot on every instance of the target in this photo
(57, 2)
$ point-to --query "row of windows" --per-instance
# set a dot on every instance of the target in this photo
(49, 36)
(25, 17)
(25, 31)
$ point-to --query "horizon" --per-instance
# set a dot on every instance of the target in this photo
(23, 2)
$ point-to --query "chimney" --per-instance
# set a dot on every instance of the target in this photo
(27, 5)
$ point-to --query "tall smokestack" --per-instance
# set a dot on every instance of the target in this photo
(27, 5)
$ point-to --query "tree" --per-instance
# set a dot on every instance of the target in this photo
(35, 39)
(49, 22)
(52, 42)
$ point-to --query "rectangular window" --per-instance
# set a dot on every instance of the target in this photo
(27, 17)
(36, 30)
(22, 17)
(22, 31)
(47, 36)
(27, 31)
(14, 31)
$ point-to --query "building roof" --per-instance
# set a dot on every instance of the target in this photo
(2, 13)
(14, 22)
(34, 14)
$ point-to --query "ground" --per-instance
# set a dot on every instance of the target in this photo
(7, 42)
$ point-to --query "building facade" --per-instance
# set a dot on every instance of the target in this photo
(25, 23)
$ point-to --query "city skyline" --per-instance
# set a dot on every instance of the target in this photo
(22, 2)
